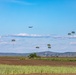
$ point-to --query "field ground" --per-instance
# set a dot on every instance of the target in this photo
(53, 62)
(25, 61)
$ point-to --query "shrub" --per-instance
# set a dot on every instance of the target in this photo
(33, 55)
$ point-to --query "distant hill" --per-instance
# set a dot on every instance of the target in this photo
(45, 53)
(56, 54)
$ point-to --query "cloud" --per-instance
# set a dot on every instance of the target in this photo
(25, 34)
(43, 36)
(64, 37)
(73, 43)
(30, 35)
(3, 42)
(0, 37)
(72, 36)
(22, 34)
(57, 37)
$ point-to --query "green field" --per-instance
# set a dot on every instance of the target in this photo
(72, 59)
(12, 69)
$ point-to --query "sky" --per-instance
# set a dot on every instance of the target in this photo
(55, 18)
(46, 16)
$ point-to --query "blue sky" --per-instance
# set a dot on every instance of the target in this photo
(54, 18)
(46, 16)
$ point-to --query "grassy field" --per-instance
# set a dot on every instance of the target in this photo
(13, 69)
(59, 58)
(43, 65)
(72, 59)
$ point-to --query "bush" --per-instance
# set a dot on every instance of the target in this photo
(33, 55)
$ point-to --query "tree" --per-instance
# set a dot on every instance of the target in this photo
(33, 55)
